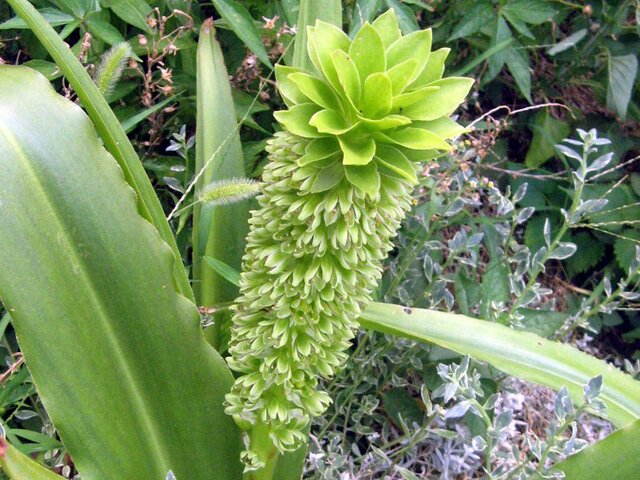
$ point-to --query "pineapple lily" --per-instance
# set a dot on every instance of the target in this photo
(336, 189)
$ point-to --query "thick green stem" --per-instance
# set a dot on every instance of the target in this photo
(263, 447)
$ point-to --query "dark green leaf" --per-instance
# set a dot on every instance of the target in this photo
(240, 21)
(542, 322)
(134, 12)
(517, 61)
(533, 12)
(400, 405)
(406, 19)
(229, 273)
(477, 17)
(53, 16)
(547, 133)
(622, 75)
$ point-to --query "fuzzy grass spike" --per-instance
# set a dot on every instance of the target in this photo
(335, 191)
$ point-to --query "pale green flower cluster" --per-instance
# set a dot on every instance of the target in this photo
(336, 189)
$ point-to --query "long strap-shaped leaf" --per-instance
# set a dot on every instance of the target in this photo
(20, 467)
(109, 128)
(617, 457)
(517, 353)
(116, 353)
(218, 231)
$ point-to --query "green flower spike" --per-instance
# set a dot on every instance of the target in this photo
(335, 191)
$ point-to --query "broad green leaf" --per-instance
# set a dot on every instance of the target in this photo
(104, 31)
(495, 285)
(415, 139)
(481, 14)
(614, 458)
(591, 252)
(517, 353)
(53, 16)
(517, 61)
(297, 118)
(533, 12)
(329, 11)
(367, 52)
(396, 161)
(433, 70)
(622, 74)
(441, 102)
(356, 150)
(48, 69)
(377, 96)
(117, 355)
(547, 133)
(519, 25)
(348, 75)
(240, 21)
(364, 177)
(134, 12)
(219, 153)
(77, 8)
(625, 247)
(20, 467)
(110, 130)
(542, 322)
(387, 27)
(402, 406)
(316, 90)
(496, 49)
